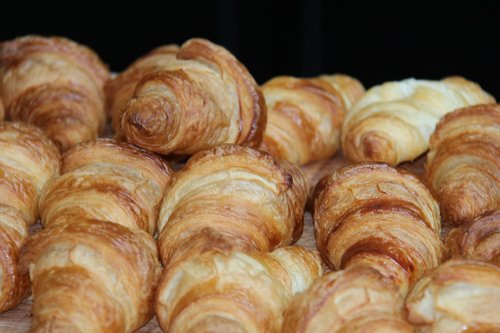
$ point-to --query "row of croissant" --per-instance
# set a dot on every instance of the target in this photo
(95, 268)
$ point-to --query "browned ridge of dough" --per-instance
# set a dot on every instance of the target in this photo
(55, 84)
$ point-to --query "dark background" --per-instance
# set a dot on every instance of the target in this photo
(364, 39)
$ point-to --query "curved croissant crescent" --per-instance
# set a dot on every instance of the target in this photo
(479, 239)
(55, 84)
(456, 296)
(305, 115)
(355, 300)
(91, 276)
(226, 291)
(463, 163)
(376, 215)
(28, 159)
(231, 196)
(201, 98)
(109, 181)
(121, 89)
(392, 122)
(94, 267)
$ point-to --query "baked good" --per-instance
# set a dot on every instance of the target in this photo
(55, 84)
(463, 163)
(393, 121)
(305, 115)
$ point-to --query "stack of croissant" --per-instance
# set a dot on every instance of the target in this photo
(210, 247)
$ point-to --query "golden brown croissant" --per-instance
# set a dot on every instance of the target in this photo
(94, 267)
(201, 98)
(55, 84)
(120, 89)
(392, 122)
(479, 239)
(463, 163)
(110, 181)
(28, 159)
(458, 296)
(355, 300)
(224, 291)
(305, 115)
(91, 276)
(376, 215)
(238, 195)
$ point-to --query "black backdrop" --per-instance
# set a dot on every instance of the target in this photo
(304, 38)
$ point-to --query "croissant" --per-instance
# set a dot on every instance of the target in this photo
(120, 89)
(479, 239)
(240, 196)
(357, 299)
(305, 115)
(55, 84)
(225, 291)
(463, 163)
(28, 159)
(95, 265)
(392, 122)
(109, 181)
(199, 99)
(458, 296)
(376, 215)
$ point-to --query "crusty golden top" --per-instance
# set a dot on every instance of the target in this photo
(458, 296)
(109, 181)
(357, 299)
(392, 122)
(305, 115)
(196, 100)
(463, 163)
(247, 196)
(91, 276)
(478, 239)
(374, 214)
(221, 291)
(14, 51)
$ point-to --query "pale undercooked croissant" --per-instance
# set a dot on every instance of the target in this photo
(463, 163)
(458, 296)
(305, 115)
(241, 197)
(392, 122)
(28, 159)
(201, 98)
(355, 300)
(94, 267)
(376, 215)
(55, 84)
(227, 291)
(479, 239)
